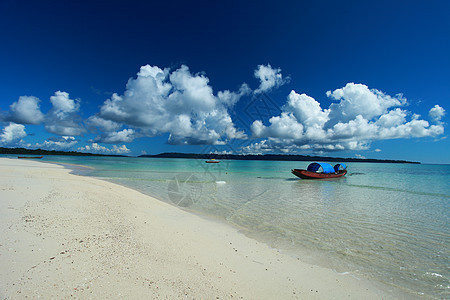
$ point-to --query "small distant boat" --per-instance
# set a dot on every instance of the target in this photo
(321, 171)
(212, 161)
(30, 157)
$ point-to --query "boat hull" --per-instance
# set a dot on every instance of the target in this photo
(304, 174)
(30, 157)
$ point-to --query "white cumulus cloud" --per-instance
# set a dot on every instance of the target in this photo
(96, 148)
(436, 113)
(231, 98)
(180, 103)
(360, 116)
(269, 77)
(63, 118)
(58, 143)
(63, 105)
(306, 109)
(94, 122)
(12, 133)
(358, 99)
(26, 110)
(123, 136)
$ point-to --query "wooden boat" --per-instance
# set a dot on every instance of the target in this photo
(321, 171)
(212, 161)
(30, 157)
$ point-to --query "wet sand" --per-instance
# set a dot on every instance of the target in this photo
(63, 235)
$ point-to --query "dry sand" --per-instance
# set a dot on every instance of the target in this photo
(63, 236)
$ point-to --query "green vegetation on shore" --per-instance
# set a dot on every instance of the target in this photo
(279, 157)
(48, 152)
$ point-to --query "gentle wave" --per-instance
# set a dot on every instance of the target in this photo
(400, 190)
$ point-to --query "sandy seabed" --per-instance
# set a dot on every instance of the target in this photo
(63, 236)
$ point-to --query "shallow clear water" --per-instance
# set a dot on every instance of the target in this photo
(384, 221)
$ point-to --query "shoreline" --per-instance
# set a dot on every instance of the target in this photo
(68, 235)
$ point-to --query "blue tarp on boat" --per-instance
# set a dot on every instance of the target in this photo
(327, 168)
(338, 167)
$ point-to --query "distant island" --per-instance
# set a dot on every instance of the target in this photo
(279, 157)
(24, 151)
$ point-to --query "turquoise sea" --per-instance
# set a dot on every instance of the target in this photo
(387, 222)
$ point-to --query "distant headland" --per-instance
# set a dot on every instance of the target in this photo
(279, 157)
(24, 151)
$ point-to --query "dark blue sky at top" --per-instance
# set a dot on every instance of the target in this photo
(91, 48)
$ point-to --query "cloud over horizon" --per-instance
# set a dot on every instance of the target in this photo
(360, 116)
(180, 103)
(96, 148)
(185, 106)
(57, 143)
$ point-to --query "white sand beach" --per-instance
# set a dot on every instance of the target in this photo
(63, 236)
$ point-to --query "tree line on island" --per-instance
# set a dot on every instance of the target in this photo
(23, 151)
(278, 157)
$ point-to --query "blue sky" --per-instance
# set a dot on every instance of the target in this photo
(335, 78)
